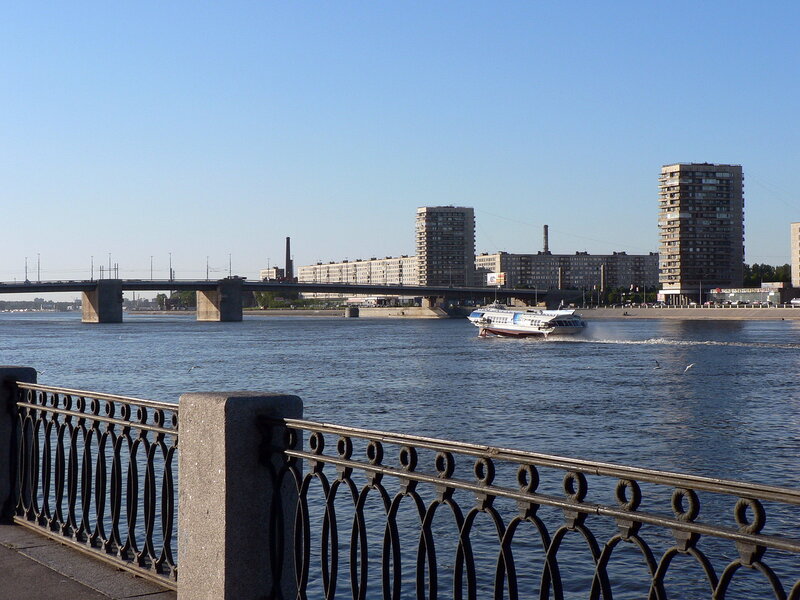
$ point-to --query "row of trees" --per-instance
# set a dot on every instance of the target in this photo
(757, 274)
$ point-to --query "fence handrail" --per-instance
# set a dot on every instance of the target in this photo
(696, 482)
(98, 396)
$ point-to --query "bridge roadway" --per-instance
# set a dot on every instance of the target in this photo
(221, 300)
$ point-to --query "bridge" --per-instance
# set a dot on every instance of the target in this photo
(221, 300)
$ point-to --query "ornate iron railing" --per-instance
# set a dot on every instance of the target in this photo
(97, 472)
(397, 516)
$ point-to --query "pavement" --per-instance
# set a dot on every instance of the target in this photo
(34, 567)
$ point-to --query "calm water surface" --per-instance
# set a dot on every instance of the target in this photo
(735, 413)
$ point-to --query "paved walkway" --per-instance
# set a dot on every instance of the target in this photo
(33, 567)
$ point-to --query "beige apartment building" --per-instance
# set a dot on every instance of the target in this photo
(570, 271)
(794, 232)
(445, 237)
(701, 229)
(400, 270)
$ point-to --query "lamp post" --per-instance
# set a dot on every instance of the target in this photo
(701, 290)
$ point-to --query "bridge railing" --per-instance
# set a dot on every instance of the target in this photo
(397, 516)
(98, 472)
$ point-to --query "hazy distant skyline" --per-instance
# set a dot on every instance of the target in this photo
(209, 130)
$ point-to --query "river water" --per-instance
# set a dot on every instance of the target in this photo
(621, 393)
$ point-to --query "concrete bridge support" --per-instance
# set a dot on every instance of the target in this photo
(223, 304)
(104, 303)
(432, 301)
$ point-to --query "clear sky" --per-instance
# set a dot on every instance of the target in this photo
(209, 129)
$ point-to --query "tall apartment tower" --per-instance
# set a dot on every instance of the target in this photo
(794, 243)
(446, 245)
(701, 227)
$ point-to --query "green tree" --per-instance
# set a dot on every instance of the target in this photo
(184, 299)
(756, 274)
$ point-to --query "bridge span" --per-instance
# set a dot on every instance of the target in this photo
(221, 300)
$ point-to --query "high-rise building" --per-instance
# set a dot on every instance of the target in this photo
(701, 225)
(446, 245)
(794, 243)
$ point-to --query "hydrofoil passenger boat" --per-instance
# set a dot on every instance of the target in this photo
(499, 319)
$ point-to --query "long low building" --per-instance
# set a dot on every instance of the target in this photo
(542, 270)
(581, 270)
(400, 270)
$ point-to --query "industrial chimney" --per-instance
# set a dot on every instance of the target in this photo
(546, 241)
(289, 271)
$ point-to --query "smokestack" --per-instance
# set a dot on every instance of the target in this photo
(289, 271)
(546, 241)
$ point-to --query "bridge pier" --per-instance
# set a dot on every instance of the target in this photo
(222, 304)
(103, 304)
(431, 301)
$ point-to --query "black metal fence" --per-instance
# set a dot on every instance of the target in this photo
(398, 516)
(355, 513)
(98, 472)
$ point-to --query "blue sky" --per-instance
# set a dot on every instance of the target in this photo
(216, 129)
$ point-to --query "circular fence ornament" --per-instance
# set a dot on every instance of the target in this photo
(316, 441)
(575, 486)
(408, 458)
(692, 509)
(622, 491)
(528, 478)
(375, 453)
(740, 514)
(484, 471)
(344, 447)
(445, 465)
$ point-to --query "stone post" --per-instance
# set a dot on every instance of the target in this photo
(8, 440)
(104, 303)
(230, 544)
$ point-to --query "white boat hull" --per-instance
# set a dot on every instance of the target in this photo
(504, 321)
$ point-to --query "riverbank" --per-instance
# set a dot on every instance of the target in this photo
(701, 313)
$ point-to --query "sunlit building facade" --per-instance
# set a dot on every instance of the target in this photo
(570, 271)
(794, 245)
(701, 226)
(445, 237)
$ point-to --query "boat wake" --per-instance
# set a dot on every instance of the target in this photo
(668, 342)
